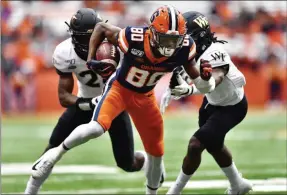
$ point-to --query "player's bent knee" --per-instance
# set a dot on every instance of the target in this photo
(214, 147)
(127, 167)
(125, 163)
(195, 145)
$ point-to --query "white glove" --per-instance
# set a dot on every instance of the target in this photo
(181, 90)
(165, 99)
(95, 100)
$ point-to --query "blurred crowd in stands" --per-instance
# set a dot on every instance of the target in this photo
(256, 34)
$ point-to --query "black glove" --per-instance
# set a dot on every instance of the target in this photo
(104, 69)
(85, 104)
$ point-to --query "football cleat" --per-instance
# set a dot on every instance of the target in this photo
(45, 163)
(244, 187)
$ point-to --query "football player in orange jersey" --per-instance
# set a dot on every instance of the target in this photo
(149, 53)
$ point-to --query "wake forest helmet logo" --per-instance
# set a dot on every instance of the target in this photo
(201, 21)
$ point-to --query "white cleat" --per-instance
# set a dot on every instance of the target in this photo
(45, 163)
(244, 187)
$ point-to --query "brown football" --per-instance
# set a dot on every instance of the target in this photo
(109, 53)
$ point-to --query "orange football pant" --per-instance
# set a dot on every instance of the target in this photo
(143, 110)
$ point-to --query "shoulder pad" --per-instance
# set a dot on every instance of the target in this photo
(189, 42)
(61, 57)
(128, 35)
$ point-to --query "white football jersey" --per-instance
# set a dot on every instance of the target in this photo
(66, 60)
(230, 91)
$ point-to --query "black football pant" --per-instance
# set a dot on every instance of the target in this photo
(121, 134)
(216, 121)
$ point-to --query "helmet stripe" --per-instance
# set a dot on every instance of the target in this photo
(176, 21)
(172, 18)
(169, 17)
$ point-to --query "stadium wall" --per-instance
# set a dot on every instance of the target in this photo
(257, 90)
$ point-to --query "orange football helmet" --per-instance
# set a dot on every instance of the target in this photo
(167, 30)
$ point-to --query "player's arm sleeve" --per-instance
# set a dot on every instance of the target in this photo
(123, 37)
(61, 63)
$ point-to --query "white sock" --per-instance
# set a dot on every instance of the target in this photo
(146, 162)
(34, 185)
(163, 173)
(179, 184)
(83, 133)
(153, 173)
(232, 174)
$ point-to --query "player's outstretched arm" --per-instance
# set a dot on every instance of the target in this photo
(202, 79)
(218, 75)
(179, 86)
(101, 31)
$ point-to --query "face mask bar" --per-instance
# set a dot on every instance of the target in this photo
(169, 41)
(81, 39)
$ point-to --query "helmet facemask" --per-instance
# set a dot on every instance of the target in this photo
(166, 43)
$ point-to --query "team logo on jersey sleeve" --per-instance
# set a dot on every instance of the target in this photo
(218, 56)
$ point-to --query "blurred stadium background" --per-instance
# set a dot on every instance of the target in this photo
(257, 36)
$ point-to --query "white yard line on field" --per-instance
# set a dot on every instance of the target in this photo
(25, 168)
(268, 185)
(114, 172)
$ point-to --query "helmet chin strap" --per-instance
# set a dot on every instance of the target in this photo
(82, 54)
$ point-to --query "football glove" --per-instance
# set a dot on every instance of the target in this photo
(181, 90)
(85, 104)
(104, 69)
(165, 100)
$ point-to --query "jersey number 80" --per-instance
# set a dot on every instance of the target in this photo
(138, 77)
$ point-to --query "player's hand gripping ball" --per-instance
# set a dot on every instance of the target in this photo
(107, 59)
